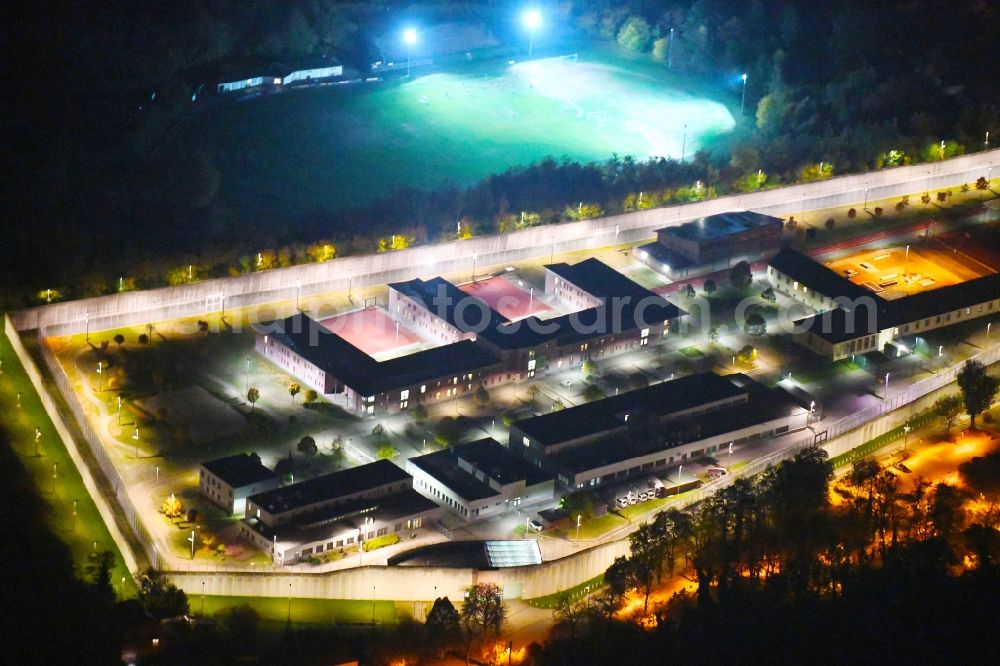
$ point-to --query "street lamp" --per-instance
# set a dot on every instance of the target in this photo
(410, 37)
(578, 527)
(684, 140)
(680, 468)
(906, 435)
(135, 436)
(670, 54)
(886, 391)
(119, 410)
(191, 539)
(988, 324)
(38, 436)
(100, 376)
(865, 207)
(532, 19)
(743, 100)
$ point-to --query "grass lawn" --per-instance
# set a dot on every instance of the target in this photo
(691, 352)
(340, 145)
(593, 528)
(303, 611)
(78, 531)
(550, 600)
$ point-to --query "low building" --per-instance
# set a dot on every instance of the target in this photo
(480, 479)
(229, 481)
(312, 72)
(334, 511)
(851, 319)
(713, 240)
(648, 430)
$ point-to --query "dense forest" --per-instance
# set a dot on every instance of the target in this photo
(94, 89)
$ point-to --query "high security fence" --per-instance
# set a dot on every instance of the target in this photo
(345, 274)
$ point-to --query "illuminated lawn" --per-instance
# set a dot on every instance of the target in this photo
(78, 531)
(306, 611)
(343, 144)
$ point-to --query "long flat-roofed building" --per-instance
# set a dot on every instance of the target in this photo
(331, 365)
(711, 240)
(480, 479)
(650, 429)
(334, 511)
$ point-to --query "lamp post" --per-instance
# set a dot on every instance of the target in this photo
(906, 435)
(202, 599)
(865, 207)
(100, 376)
(121, 587)
(119, 410)
(988, 324)
(191, 539)
(684, 140)
(743, 99)
(135, 436)
(87, 335)
(885, 392)
(670, 52)
(289, 603)
(680, 468)
(578, 527)
(532, 19)
(38, 436)
(410, 37)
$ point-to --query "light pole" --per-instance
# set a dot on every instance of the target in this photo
(680, 468)
(246, 378)
(988, 324)
(743, 99)
(906, 260)
(906, 435)
(885, 392)
(289, 603)
(38, 436)
(865, 207)
(730, 450)
(373, 605)
(474, 257)
(100, 376)
(119, 410)
(191, 539)
(203, 598)
(684, 140)
(532, 19)
(135, 436)
(87, 335)
(121, 587)
(410, 37)
(670, 52)
(578, 527)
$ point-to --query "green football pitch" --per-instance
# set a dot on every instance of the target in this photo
(345, 144)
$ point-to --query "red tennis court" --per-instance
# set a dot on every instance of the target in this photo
(506, 298)
(371, 330)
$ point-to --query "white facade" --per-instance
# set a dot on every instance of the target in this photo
(315, 73)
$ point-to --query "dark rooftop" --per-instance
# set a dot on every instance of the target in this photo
(446, 301)
(329, 487)
(816, 276)
(488, 456)
(607, 414)
(667, 257)
(722, 224)
(361, 372)
(643, 438)
(240, 470)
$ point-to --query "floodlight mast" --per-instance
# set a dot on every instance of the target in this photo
(410, 38)
(532, 20)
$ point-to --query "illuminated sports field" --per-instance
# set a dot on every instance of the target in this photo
(345, 144)
(893, 273)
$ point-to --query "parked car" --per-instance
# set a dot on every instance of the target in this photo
(535, 525)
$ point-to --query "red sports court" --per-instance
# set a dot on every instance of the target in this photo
(371, 330)
(506, 298)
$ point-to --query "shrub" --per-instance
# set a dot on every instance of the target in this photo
(830, 223)
(852, 213)
(310, 396)
(878, 211)
(380, 542)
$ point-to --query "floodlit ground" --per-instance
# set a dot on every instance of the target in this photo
(512, 301)
(895, 272)
(337, 146)
(938, 462)
(372, 331)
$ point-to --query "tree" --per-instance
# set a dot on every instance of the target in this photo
(982, 474)
(569, 613)
(420, 412)
(588, 369)
(253, 395)
(294, 389)
(385, 452)
(481, 396)
(159, 597)
(852, 213)
(619, 579)
(442, 624)
(747, 354)
(710, 287)
(949, 407)
(978, 389)
(592, 392)
(172, 507)
(97, 573)
(307, 446)
(483, 611)
(740, 275)
(379, 433)
(578, 503)
(982, 184)
(769, 295)
(688, 291)
(755, 324)
(119, 339)
(660, 49)
(241, 624)
(143, 339)
(634, 34)
(310, 396)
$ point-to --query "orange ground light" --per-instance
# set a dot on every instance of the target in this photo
(892, 273)
(938, 463)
